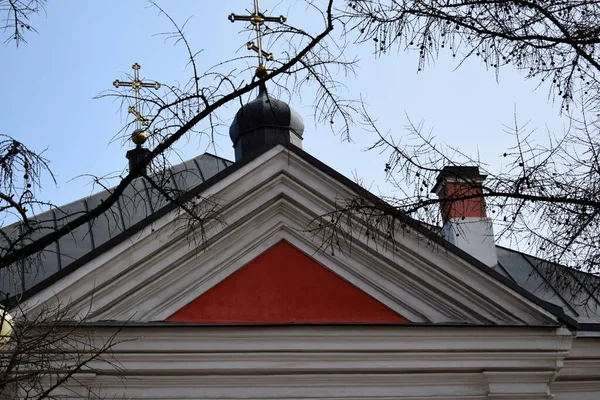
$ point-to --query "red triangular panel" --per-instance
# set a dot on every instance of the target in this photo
(285, 286)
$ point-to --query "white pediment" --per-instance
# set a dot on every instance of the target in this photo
(277, 197)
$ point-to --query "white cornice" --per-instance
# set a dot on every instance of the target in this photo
(334, 362)
(407, 338)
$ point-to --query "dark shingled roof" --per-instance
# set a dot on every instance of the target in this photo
(574, 291)
(532, 277)
(137, 203)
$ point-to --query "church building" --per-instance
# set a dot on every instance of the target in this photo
(262, 308)
(270, 296)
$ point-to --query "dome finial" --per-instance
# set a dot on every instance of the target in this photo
(261, 72)
(262, 88)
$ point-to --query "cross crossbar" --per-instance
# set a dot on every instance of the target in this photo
(136, 84)
(257, 19)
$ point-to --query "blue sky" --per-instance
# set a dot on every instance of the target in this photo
(49, 85)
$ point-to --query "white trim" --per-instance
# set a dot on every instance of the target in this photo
(334, 362)
(275, 197)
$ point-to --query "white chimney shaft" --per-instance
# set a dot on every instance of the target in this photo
(466, 224)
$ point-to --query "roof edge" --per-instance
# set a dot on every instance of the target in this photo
(414, 224)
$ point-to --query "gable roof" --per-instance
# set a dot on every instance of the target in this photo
(134, 209)
(221, 169)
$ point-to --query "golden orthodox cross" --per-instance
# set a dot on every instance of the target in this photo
(136, 84)
(257, 19)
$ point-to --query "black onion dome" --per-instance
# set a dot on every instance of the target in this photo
(263, 122)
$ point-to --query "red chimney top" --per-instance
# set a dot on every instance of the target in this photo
(465, 185)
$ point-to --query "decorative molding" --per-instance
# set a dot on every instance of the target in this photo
(521, 384)
(455, 339)
(334, 362)
(440, 386)
(275, 198)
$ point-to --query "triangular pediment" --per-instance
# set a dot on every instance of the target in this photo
(268, 207)
(285, 286)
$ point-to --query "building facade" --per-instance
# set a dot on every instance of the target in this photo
(271, 303)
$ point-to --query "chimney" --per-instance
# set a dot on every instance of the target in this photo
(466, 224)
